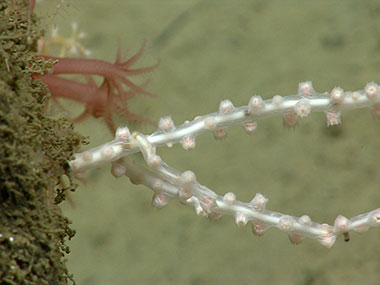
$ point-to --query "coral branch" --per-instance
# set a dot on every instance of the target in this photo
(167, 183)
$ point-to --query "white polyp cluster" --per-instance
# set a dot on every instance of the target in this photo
(210, 123)
(277, 100)
(256, 105)
(295, 237)
(154, 160)
(226, 107)
(188, 142)
(241, 219)
(333, 118)
(302, 108)
(286, 223)
(220, 133)
(214, 215)
(337, 95)
(372, 90)
(197, 119)
(208, 203)
(259, 202)
(327, 241)
(355, 95)
(159, 200)
(166, 124)
(229, 198)
(305, 220)
(118, 169)
(188, 177)
(290, 120)
(250, 127)
(194, 201)
(328, 238)
(122, 134)
(341, 224)
(326, 228)
(305, 89)
(258, 228)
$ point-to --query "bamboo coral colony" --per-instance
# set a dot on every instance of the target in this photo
(167, 183)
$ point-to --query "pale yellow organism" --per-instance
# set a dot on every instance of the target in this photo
(67, 45)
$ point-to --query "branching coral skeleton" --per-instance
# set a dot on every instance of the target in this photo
(168, 183)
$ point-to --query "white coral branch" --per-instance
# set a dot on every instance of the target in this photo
(167, 183)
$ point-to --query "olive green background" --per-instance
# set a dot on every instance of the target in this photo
(210, 51)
